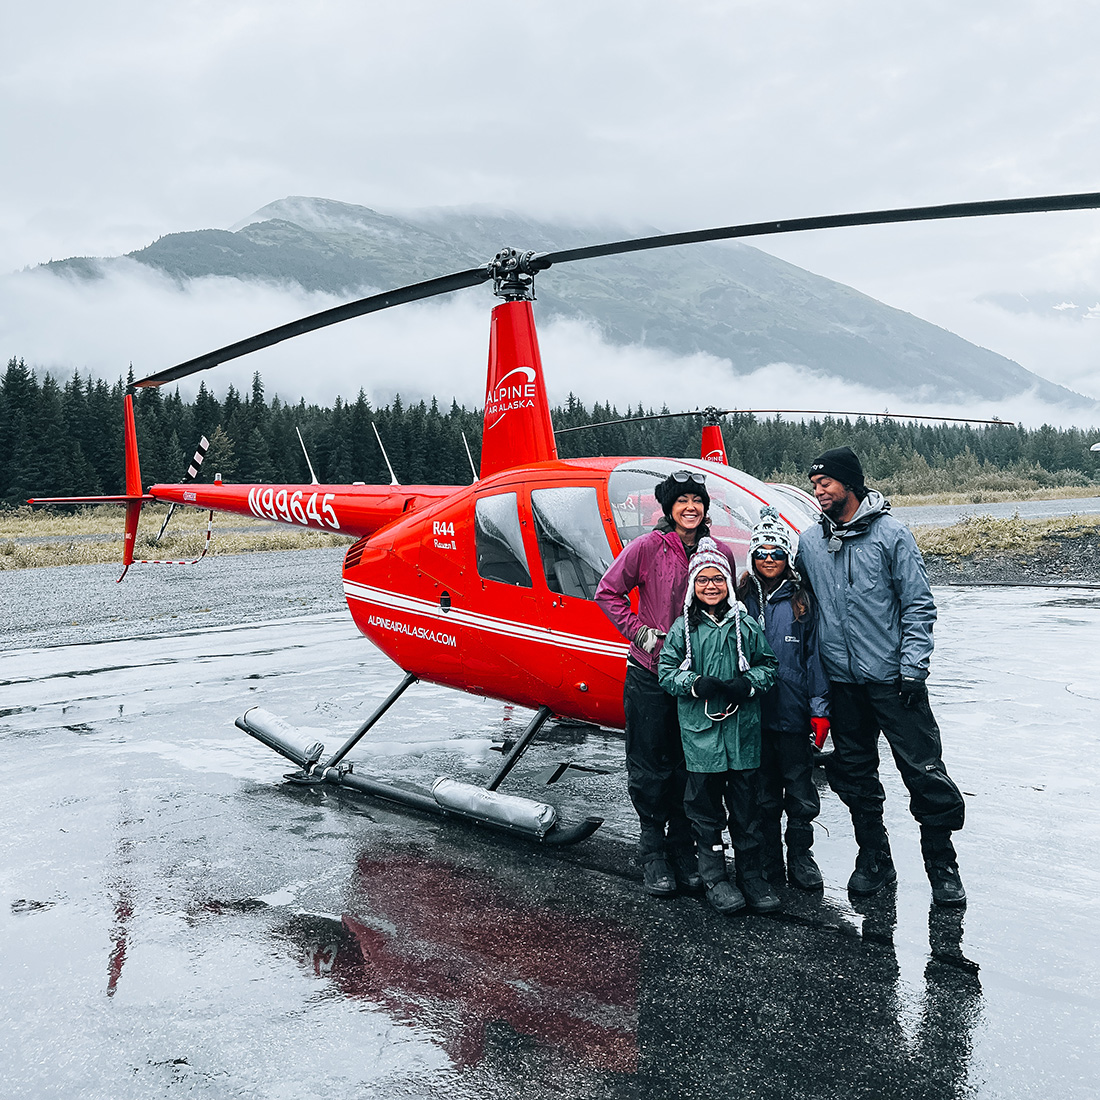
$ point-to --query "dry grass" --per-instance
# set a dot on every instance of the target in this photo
(94, 535)
(106, 520)
(993, 496)
(985, 534)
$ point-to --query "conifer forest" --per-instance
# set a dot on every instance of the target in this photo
(66, 439)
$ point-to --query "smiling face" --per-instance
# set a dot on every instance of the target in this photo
(837, 501)
(688, 512)
(769, 568)
(711, 587)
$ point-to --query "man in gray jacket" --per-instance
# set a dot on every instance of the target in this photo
(876, 615)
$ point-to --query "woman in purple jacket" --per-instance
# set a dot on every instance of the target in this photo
(657, 565)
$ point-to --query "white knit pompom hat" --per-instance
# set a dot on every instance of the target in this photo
(708, 556)
(770, 530)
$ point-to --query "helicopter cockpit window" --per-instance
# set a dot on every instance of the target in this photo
(733, 510)
(499, 544)
(572, 540)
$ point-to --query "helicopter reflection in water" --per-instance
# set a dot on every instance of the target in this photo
(665, 1003)
(446, 949)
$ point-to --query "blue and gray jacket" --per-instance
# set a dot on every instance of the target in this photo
(875, 608)
(801, 690)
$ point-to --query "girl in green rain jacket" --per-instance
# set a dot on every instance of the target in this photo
(718, 664)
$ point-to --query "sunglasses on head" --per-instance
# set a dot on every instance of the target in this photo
(684, 476)
(769, 555)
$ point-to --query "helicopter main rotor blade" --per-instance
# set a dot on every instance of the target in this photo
(521, 266)
(415, 292)
(1085, 201)
(807, 412)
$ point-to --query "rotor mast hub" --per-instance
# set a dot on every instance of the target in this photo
(513, 273)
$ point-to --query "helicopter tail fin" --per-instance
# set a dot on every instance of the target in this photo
(517, 429)
(134, 496)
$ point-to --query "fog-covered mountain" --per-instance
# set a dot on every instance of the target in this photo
(729, 300)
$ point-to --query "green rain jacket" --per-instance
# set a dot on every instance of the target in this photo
(732, 744)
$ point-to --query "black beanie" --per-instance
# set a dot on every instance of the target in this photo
(668, 491)
(841, 464)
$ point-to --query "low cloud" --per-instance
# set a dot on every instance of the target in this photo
(134, 315)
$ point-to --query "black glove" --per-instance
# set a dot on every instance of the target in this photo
(737, 690)
(911, 692)
(725, 694)
(708, 687)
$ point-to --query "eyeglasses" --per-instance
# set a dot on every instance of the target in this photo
(711, 582)
(769, 555)
(684, 476)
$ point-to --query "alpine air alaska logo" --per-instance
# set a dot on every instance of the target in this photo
(511, 393)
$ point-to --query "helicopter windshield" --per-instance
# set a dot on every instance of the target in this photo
(572, 540)
(733, 509)
(801, 503)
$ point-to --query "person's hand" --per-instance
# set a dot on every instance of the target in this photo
(708, 687)
(646, 638)
(911, 691)
(725, 694)
(820, 728)
(737, 690)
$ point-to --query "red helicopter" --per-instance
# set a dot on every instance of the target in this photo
(488, 587)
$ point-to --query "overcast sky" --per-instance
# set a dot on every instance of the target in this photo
(123, 121)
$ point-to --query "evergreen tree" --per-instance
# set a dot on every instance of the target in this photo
(220, 458)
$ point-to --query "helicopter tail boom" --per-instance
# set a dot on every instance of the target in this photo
(355, 510)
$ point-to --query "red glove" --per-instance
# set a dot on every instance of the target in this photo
(820, 726)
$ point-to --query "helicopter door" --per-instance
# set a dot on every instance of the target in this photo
(509, 622)
(575, 552)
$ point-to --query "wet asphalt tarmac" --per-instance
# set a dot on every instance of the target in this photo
(177, 920)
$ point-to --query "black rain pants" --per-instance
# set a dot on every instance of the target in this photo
(859, 713)
(715, 799)
(787, 784)
(655, 765)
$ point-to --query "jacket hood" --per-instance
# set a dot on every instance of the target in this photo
(665, 527)
(873, 505)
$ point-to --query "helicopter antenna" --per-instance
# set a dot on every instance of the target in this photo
(312, 476)
(192, 473)
(473, 468)
(393, 476)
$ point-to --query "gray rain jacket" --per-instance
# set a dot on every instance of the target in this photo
(875, 608)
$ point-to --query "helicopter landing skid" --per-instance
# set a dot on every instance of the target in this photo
(485, 806)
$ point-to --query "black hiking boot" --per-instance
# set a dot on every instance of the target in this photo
(685, 866)
(874, 870)
(802, 869)
(947, 887)
(759, 896)
(658, 878)
(725, 897)
(942, 867)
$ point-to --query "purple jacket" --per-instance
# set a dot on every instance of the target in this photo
(657, 565)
